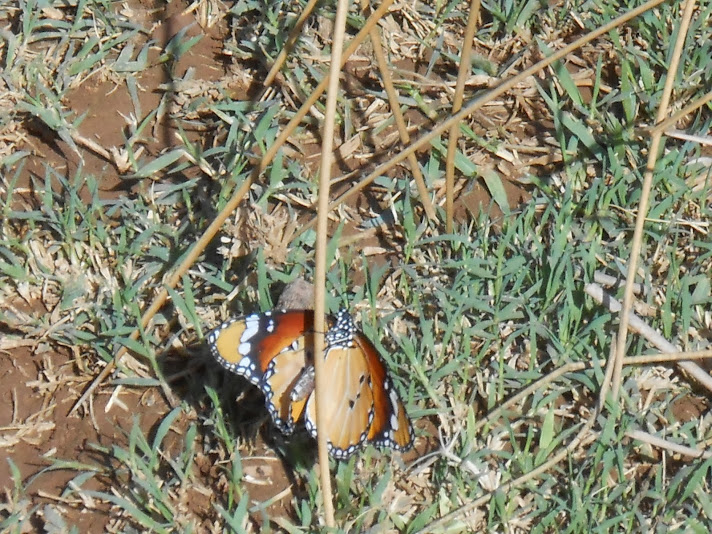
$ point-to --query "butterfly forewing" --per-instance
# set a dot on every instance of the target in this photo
(225, 347)
(246, 346)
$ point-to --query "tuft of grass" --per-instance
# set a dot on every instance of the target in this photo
(17, 508)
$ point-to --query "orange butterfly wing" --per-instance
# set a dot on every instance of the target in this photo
(349, 410)
(391, 426)
(270, 350)
(282, 377)
(367, 409)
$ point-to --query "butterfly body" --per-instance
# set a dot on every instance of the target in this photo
(274, 351)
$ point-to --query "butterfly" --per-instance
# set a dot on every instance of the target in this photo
(274, 351)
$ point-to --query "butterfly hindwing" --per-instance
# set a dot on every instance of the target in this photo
(283, 375)
(390, 426)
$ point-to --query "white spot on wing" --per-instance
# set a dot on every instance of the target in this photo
(395, 407)
(252, 327)
(245, 363)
